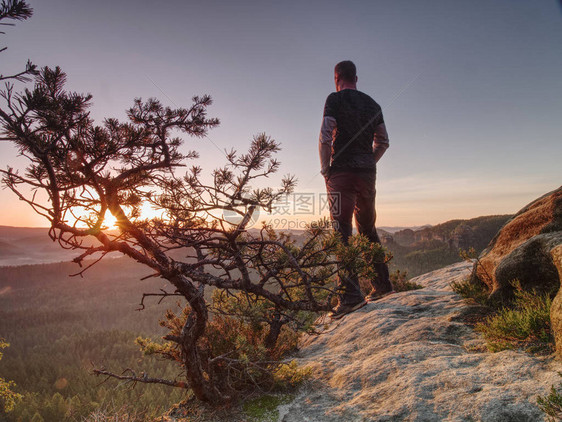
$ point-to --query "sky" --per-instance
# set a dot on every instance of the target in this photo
(471, 92)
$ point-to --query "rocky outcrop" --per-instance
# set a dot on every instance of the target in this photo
(456, 234)
(556, 308)
(523, 249)
(405, 237)
(409, 357)
(462, 237)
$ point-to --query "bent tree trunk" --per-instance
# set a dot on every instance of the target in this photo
(199, 380)
(274, 330)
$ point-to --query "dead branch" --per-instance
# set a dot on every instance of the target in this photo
(162, 295)
(143, 378)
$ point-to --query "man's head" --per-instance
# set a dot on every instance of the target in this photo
(345, 75)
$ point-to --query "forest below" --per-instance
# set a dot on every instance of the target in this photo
(60, 327)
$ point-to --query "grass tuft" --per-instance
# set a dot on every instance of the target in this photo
(401, 282)
(525, 324)
(551, 405)
(472, 289)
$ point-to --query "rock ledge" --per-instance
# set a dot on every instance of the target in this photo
(409, 357)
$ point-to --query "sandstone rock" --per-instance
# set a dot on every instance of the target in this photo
(408, 357)
(556, 308)
(522, 249)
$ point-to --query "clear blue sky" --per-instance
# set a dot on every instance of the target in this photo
(471, 91)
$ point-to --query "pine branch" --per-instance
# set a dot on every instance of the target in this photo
(15, 10)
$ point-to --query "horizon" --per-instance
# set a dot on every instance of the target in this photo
(379, 227)
(470, 93)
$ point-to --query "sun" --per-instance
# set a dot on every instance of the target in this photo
(147, 212)
(110, 221)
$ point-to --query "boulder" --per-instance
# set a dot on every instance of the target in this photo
(556, 307)
(524, 249)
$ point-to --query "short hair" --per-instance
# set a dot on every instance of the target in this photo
(346, 70)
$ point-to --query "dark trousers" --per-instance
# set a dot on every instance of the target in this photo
(352, 194)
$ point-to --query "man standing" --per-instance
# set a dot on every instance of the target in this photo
(353, 138)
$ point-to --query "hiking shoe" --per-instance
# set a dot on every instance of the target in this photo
(341, 310)
(374, 295)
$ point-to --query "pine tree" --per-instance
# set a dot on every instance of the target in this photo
(264, 280)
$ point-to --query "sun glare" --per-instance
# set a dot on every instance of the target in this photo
(110, 222)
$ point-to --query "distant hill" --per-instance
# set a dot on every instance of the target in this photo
(431, 248)
(393, 229)
(416, 249)
(8, 249)
(32, 245)
(476, 232)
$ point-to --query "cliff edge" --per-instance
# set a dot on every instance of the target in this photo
(411, 357)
